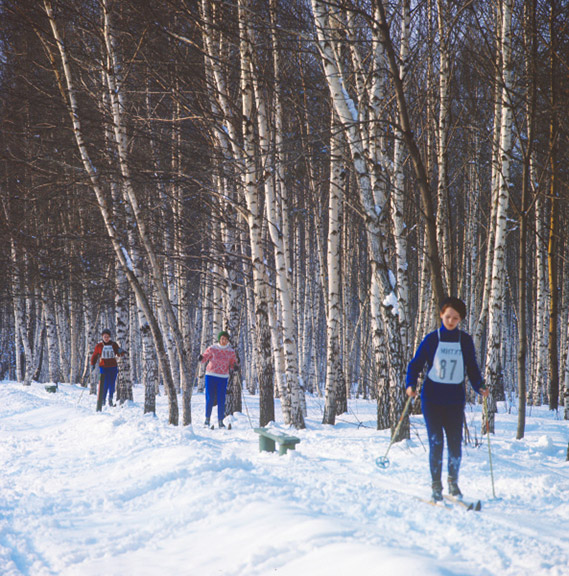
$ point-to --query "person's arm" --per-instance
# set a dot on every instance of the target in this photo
(472, 369)
(206, 356)
(95, 355)
(415, 366)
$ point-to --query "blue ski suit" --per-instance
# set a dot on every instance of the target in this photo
(448, 355)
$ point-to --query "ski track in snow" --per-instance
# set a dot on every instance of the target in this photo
(122, 493)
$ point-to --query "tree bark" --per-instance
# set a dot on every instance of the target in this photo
(497, 292)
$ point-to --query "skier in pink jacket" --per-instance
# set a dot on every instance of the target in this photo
(221, 358)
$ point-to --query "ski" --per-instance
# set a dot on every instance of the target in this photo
(228, 427)
(475, 505)
(431, 502)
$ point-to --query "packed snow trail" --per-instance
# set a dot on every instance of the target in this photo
(120, 492)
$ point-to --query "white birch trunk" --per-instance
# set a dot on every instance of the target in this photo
(54, 372)
(496, 167)
(254, 219)
(443, 215)
(62, 332)
(232, 305)
(497, 290)
(24, 373)
(216, 275)
(334, 374)
(398, 199)
(540, 370)
(73, 329)
(470, 250)
(281, 387)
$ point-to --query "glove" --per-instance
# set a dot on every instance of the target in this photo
(200, 357)
(122, 350)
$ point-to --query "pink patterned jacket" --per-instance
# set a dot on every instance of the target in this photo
(221, 359)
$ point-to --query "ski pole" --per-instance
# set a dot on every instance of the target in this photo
(489, 449)
(244, 401)
(242, 392)
(383, 461)
(89, 376)
(80, 396)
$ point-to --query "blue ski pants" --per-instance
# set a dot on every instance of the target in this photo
(444, 419)
(215, 388)
(110, 382)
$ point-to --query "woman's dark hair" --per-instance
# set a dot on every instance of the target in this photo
(454, 303)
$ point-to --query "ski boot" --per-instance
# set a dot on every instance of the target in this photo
(453, 488)
(437, 495)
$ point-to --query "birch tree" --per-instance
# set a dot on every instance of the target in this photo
(115, 85)
(530, 41)
(373, 199)
(334, 373)
(67, 87)
(398, 194)
(443, 211)
(497, 291)
(245, 158)
(553, 232)
(274, 222)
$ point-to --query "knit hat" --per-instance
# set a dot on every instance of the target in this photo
(454, 303)
(106, 331)
(222, 333)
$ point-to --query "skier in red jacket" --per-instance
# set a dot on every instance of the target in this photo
(105, 353)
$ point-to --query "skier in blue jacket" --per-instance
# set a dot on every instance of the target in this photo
(449, 354)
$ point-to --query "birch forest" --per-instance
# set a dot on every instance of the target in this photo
(312, 176)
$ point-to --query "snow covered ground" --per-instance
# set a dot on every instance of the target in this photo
(120, 493)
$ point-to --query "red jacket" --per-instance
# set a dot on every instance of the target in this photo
(107, 353)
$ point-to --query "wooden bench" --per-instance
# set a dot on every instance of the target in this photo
(51, 388)
(268, 439)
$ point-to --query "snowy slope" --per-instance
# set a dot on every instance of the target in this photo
(120, 493)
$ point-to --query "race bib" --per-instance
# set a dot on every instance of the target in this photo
(108, 352)
(448, 364)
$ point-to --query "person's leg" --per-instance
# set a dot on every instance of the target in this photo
(221, 392)
(453, 421)
(111, 381)
(433, 421)
(101, 389)
(209, 392)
